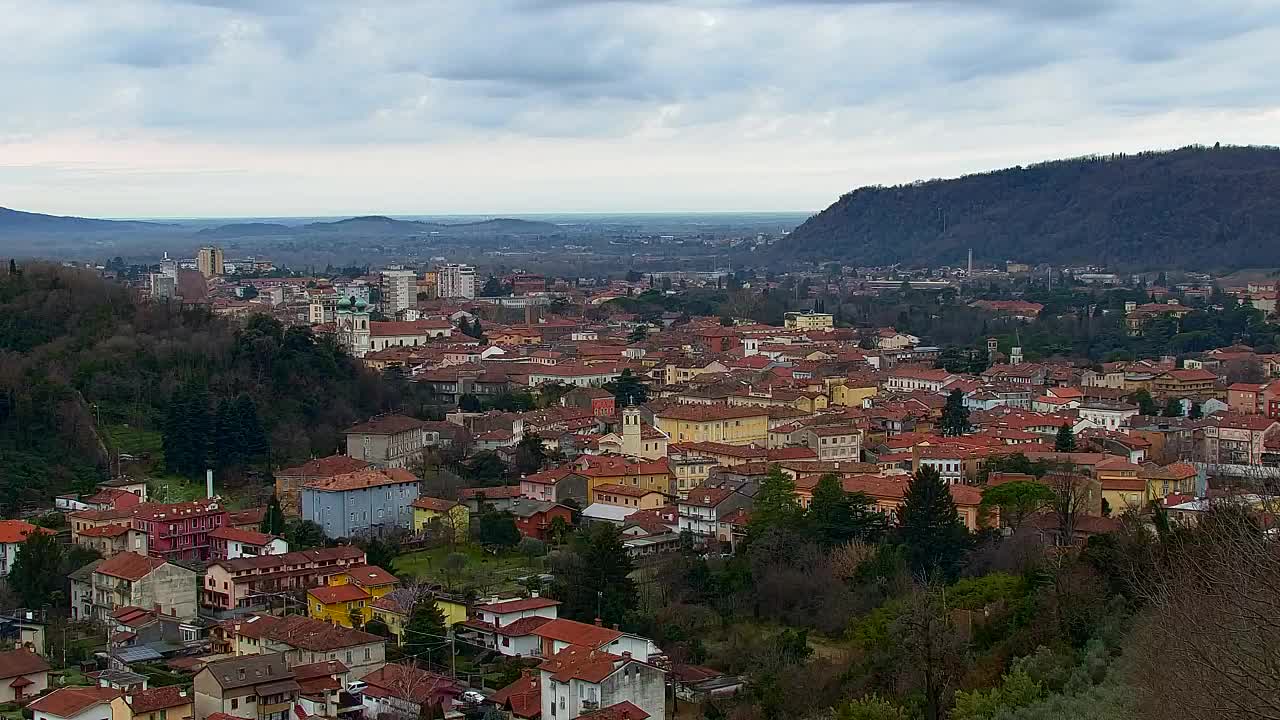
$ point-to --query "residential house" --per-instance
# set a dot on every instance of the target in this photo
(556, 484)
(259, 687)
(562, 633)
(350, 594)
(12, 534)
(581, 681)
(168, 702)
(701, 512)
(599, 470)
(228, 543)
(1236, 439)
(534, 517)
(1106, 415)
(373, 501)
(23, 674)
(501, 498)
(303, 640)
(113, 538)
(387, 441)
(833, 442)
(626, 496)
(180, 531)
(521, 699)
(240, 583)
(445, 516)
(395, 607)
(81, 703)
(601, 402)
(289, 481)
(1178, 478)
(888, 492)
(1197, 385)
(130, 579)
(405, 691)
(904, 378)
(322, 691)
(1247, 398)
(508, 626)
(733, 425)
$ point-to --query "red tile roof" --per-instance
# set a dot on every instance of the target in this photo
(624, 710)
(69, 701)
(576, 633)
(325, 467)
(502, 492)
(435, 504)
(522, 697)
(580, 662)
(129, 566)
(371, 576)
(522, 627)
(248, 537)
(331, 594)
(521, 605)
(20, 662)
(15, 531)
(362, 479)
(385, 425)
(158, 698)
(706, 413)
(107, 531)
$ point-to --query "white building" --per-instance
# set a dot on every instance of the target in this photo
(456, 281)
(579, 680)
(1107, 416)
(399, 290)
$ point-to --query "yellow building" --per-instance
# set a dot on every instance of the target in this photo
(850, 392)
(625, 496)
(809, 321)
(394, 609)
(350, 594)
(734, 425)
(429, 511)
(648, 475)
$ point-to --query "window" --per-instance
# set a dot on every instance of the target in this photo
(366, 653)
(235, 704)
(348, 658)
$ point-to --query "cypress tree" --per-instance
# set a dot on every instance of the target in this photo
(254, 445)
(227, 444)
(930, 527)
(1066, 440)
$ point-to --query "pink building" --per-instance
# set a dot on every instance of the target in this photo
(180, 531)
(239, 583)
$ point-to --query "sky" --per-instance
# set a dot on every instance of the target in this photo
(232, 108)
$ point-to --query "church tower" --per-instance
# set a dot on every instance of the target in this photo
(352, 321)
(631, 431)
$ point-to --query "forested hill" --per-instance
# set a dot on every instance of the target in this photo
(80, 356)
(1194, 208)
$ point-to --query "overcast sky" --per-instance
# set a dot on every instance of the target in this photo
(326, 107)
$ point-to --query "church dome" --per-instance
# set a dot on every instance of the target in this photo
(344, 303)
(361, 304)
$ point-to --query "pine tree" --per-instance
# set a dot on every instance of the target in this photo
(425, 632)
(1066, 440)
(227, 447)
(36, 575)
(835, 517)
(955, 416)
(1173, 408)
(775, 505)
(254, 445)
(929, 525)
(1197, 411)
(273, 520)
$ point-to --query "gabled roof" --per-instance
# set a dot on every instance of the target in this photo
(331, 594)
(434, 504)
(362, 479)
(249, 670)
(371, 576)
(385, 425)
(625, 710)
(20, 662)
(576, 633)
(247, 537)
(129, 566)
(580, 662)
(522, 697)
(69, 701)
(158, 698)
(520, 605)
(324, 467)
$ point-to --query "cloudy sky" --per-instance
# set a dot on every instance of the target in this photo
(161, 108)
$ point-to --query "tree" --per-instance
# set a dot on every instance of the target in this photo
(1072, 492)
(469, 403)
(1065, 442)
(530, 454)
(497, 528)
(487, 468)
(955, 416)
(592, 577)
(1146, 405)
(303, 534)
(1016, 690)
(492, 287)
(628, 389)
(836, 517)
(639, 333)
(1017, 500)
(871, 707)
(775, 505)
(930, 527)
(1173, 407)
(273, 519)
(558, 530)
(356, 617)
(254, 446)
(380, 553)
(377, 626)
(187, 429)
(1197, 411)
(931, 649)
(36, 574)
(425, 632)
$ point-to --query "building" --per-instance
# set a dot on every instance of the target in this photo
(1194, 384)
(456, 281)
(581, 681)
(534, 517)
(260, 687)
(408, 333)
(23, 674)
(12, 534)
(702, 510)
(242, 583)
(351, 325)
(395, 607)
(210, 261)
(733, 425)
(81, 703)
(626, 496)
(112, 539)
(130, 579)
(229, 543)
(636, 439)
(808, 321)
(446, 516)
(180, 531)
(404, 691)
(169, 702)
(841, 442)
(399, 290)
(302, 641)
(387, 441)
(1107, 415)
(365, 502)
(350, 595)
(507, 626)
(289, 481)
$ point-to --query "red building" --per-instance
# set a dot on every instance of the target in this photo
(534, 517)
(180, 531)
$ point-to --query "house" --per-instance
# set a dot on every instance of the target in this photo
(911, 378)
(1106, 415)
(81, 703)
(239, 583)
(701, 512)
(350, 595)
(508, 626)
(534, 517)
(12, 534)
(521, 699)
(888, 493)
(1248, 398)
(261, 687)
(394, 608)
(403, 691)
(833, 442)
(445, 515)
(169, 702)
(289, 481)
(562, 633)
(228, 543)
(373, 501)
(23, 674)
(637, 439)
(581, 681)
(617, 470)
(601, 402)
(130, 579)
(556, 484)
(180, 531)
(626, 496)
(730, 424)
(501, 498)
(1177, 478)
(322, 690)
(302, 640)
(387, 441)
(1236, 439)
(1192, 384)
(112, 539)
(139, 628)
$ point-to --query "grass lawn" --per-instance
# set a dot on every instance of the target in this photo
(483, 570)
(136, 442)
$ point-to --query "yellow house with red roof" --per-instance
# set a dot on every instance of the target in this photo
(350, 594)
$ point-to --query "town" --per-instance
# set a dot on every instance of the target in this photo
(568, 468)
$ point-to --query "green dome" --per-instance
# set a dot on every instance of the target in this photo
(361, 304)
(344, 303)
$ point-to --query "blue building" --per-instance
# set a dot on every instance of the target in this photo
(373, 501)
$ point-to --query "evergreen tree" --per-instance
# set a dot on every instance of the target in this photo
(639, 333)
(1197, 411)
(1146, 405)
(775, 505)
(593, 577)
(36, 575)
(425, 633)
(835, 517)
(955, 416)
(497, 528)
(188, 428)
(464, 326)
(227, 447)
(469, 403)
(273, 520)
(1066, 440)
(477, 330)
(1173, 408)
(929, 525)
(254, 446)
(628, 389)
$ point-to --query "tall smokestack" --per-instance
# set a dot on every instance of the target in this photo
(970, 273)
(208, 483)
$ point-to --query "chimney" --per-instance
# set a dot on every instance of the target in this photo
(599, 622)
(626, 655)
(208, 483)
(533, 593)
(128, 699)
(615, 627)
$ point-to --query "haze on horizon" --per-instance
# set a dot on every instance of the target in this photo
(209, 108)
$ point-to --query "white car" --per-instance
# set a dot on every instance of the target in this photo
(472, 697)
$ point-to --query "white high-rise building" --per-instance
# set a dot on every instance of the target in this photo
(399, 290)
(210, 261)
(457, 281)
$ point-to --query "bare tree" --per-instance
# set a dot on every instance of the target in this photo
(1075, 494)
(932, 649)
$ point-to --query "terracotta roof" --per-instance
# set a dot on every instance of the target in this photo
(1191, 375)
(331, 594)
(522, 697)
(311, 634)
(362, 479)
(248, 537)
(129, 566)
(521, 605)
(435, 504)
(158, 698)
(248, 516)
(325, 467)
(624, 710)
(580, 662)
(370, 576)
(576, 633)
(415, 327)
(627, 490)
(15, 531)
(385, 425)
(271, 563)
(522, 627)
(107, 531)
(249, 670)
(501, 492)
(706, 497)
(706, 413)
(411, 683)
(20, 662)
(69, 701)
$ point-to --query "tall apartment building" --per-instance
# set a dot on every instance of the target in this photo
(209, 261)
(457, 281)
(399, 290)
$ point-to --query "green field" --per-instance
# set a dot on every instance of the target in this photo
(137, 442)
(483, 571)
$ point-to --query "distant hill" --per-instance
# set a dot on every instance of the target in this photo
(246, 230)
(1190, 208)
(384, 224)
(19, 221)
